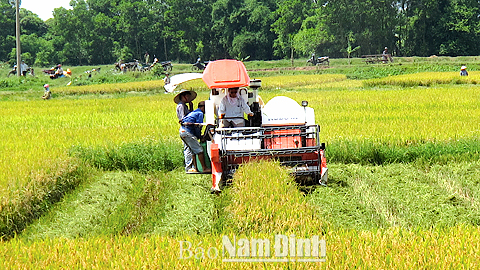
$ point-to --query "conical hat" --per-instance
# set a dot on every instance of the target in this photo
(193, 95)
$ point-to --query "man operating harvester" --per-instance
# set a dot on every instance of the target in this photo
(191, 131)
(231, 109)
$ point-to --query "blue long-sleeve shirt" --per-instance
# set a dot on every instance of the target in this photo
(193, 117)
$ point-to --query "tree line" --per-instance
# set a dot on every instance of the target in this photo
(105, 31)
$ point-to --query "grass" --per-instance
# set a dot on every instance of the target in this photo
(400, 195)
(41, 192)
(95, 206)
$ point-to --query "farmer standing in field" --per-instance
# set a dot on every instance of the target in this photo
(463, 71)
(191, 131)
(185, 106)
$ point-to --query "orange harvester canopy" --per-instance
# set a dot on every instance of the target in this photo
(225, 73)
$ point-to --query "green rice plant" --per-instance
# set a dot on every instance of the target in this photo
(425, 79)
(281, 82)
(142, 86)
(422, 152)
(394, 248)
(144, 156)
(288, 82)
(265, 199)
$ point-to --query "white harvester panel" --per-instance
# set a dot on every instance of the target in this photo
(238, 140)
(280, 111)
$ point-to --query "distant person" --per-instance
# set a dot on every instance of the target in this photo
(58, 72)
(13, 71)
(147, 58)
(47, 94)
(23, 68)
(231, 109)
(155, 61)
(313, 59)
(166, 80)
(463, 71)
(386, 56)
(385, 51)
(184, 107)
(191, 131)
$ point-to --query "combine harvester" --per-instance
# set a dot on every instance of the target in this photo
(281, 130)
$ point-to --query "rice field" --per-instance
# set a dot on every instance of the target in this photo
(402, 216)
(452, 248)
(425, 79)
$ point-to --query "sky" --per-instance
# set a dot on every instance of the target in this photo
(44, 8)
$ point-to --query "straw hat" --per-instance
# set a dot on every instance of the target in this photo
(193, 95)
(463, 67)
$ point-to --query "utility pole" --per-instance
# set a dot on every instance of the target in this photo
(17, 28)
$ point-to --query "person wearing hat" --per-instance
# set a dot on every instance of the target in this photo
(385, 55)
(58, 72)
(184, 106)
(231, 109)
(191, 131)
(46, 94)
(463, 71)
(385, 51)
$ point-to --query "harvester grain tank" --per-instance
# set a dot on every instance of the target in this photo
(282, 129)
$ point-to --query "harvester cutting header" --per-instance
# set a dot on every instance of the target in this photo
(282, 129)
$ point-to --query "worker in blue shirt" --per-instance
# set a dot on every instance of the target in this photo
(191, 131)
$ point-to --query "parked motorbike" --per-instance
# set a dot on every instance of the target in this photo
(50, 71)
(325, 60)
(199, 65)
(167, 65)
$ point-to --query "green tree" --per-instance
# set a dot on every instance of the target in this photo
(30, 23)
(7, 29)
(290, 16)
(187, 28)
(243, 28)
(445, 27)
(349, 50)
(313, 35)
(372, 23)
